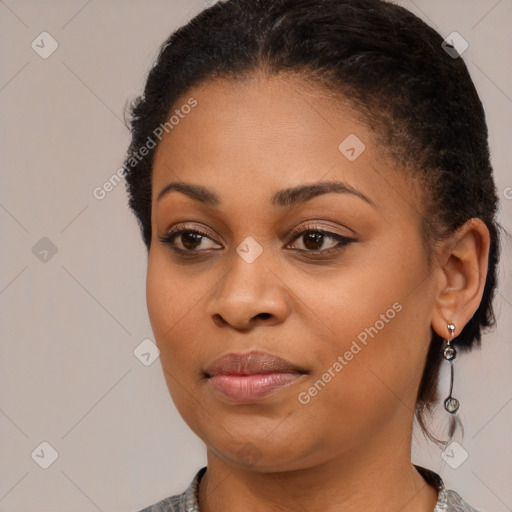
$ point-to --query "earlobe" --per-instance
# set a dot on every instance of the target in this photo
(463, 271)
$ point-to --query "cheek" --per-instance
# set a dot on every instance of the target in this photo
(374, 337)
(359, 386)
(160, 301)
(170, 310)
(170, 296)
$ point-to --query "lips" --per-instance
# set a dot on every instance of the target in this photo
(250, 364)
(252, 376)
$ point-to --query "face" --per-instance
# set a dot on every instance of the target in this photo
(316, 299)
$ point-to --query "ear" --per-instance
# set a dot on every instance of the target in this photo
(463, 270)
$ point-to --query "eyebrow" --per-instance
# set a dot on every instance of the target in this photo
(292, 196)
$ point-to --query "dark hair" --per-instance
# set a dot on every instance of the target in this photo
(390, 66)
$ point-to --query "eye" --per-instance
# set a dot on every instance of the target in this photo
(187, 241)
(183, 239)
(314, 240)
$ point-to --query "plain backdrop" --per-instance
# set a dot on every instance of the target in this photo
(72, 278)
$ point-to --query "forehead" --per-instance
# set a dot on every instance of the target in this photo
(250, 137)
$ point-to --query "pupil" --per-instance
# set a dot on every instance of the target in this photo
(316, 238)
(191, 240)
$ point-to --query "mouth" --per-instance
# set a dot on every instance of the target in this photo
(252, 376)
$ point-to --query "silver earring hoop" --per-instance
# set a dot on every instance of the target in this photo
(451, 404)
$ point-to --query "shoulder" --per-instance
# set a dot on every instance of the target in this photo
(447, 500)
(184, 502)
(450, 501)
(172, 504)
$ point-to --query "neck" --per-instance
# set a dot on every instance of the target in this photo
(374, 477)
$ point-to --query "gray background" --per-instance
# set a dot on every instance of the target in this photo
(70, 323)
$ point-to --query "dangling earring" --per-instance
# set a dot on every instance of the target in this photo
(451, 404)
(449, 353)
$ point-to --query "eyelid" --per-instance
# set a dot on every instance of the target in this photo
(185, 226)
(312, 226)
(291, 234)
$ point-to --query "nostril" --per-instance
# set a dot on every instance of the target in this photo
(219, 320)
(264, 315)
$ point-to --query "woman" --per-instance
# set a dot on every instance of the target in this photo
(313, 185)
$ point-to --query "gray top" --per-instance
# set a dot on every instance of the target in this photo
(448, 501)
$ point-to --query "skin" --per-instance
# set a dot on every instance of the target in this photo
(349, 447)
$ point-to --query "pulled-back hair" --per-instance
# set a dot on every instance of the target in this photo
(389, 65)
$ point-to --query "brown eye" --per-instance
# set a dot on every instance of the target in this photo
(314, 241)
(191, 240)
(183, 239)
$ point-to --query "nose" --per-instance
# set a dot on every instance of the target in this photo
(249, 294)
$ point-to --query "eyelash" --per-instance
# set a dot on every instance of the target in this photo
(179, 230)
